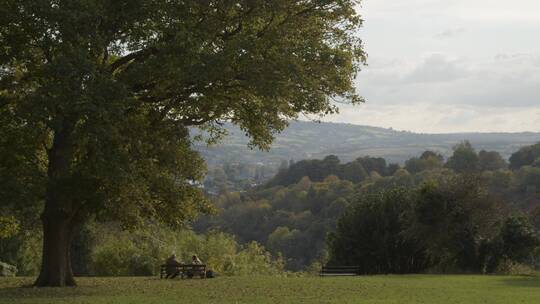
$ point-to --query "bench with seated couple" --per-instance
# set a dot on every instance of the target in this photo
(183, 270)
(172, 268)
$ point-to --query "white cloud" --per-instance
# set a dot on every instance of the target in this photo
(436, 68)
(499, 11)
(429, 118)
(449, 33)
(427, 73)
(520, 11)
(505, 80)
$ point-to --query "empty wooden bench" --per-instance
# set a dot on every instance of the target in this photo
(185, 270)
(339, 271)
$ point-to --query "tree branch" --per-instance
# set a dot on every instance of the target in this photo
(138, 55)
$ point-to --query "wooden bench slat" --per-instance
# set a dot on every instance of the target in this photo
(184, 268)
(339, 270)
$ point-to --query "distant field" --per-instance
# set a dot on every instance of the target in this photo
(369, 289)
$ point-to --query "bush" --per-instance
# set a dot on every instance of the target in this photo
(314, 268)
(9, 226)
(115, 258)
(24, 251)
(140, 253)
(254, 260)
(7, 270)
(514, 268)
(515, 245)
(371, 235)
(518, 238)
(142, 265)
(444, 226)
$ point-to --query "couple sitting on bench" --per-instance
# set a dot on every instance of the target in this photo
(175, 268)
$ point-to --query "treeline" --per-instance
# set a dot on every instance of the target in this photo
(293, 214)
(317, 170)
(463, 159)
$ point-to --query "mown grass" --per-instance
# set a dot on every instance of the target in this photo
(366, 289)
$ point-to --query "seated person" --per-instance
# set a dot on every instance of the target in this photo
(171, 269)
(196, 261)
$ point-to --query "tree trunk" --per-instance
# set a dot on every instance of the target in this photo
(57, 217)
(56, 262)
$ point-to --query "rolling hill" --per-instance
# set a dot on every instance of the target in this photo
(308, 140)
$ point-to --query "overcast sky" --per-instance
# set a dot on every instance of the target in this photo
(440, 66)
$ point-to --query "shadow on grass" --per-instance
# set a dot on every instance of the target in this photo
(27, 291)
(523, 281)
(22, 288)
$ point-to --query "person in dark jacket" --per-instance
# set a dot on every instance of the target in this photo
(171, 269)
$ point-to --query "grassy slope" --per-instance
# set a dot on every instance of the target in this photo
(370, 289)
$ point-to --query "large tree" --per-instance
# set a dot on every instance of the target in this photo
(97, 97)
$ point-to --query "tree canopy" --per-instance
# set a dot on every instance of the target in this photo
(464, 158)
(104, 92)
(525, 156)
(445, 226)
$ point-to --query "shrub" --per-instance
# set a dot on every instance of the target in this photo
(140, 253)
(24, 251)
(9, 226)
(371, 235)
(114, 258)
(515, 268)
(253, 259)
(7, 270)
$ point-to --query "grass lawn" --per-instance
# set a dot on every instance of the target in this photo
(430, 289)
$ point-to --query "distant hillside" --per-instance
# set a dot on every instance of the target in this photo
(306, 140)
